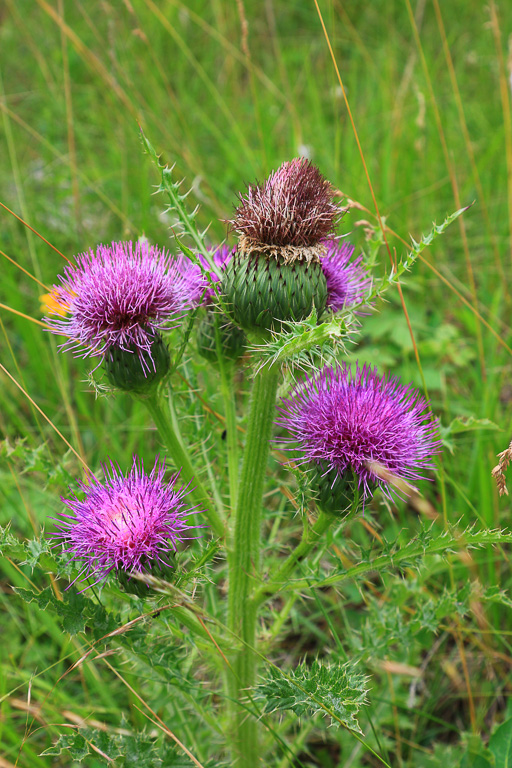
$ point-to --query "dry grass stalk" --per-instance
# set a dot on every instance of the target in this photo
(498, 472)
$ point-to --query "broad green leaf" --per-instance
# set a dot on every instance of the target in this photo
(463, 424)
(501, 745)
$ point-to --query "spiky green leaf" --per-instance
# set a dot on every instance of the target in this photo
(335, 690)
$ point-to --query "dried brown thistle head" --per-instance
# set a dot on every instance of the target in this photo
(293, 207)
(498, 472)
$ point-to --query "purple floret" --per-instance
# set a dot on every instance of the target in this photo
(120, 296)
(347, 280)
(220, 256)
(130, 523)
(343, 419)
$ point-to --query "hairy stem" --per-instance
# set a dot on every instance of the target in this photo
(244, 562)
(226, 370)
(169, 432)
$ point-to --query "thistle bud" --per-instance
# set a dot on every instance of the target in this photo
(135, 370)
(336, 493)
(276, 273)
(164, 570)
(232, 338)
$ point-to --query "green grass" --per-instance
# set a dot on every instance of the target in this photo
(227, 109)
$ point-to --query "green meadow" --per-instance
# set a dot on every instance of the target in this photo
(406, 107)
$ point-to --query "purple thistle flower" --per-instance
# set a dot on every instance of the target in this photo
(220, 256)
(292, 207)
(341, 420)
(347, 280)
(120, 296)
(130, 523)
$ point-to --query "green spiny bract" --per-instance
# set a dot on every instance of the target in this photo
(139, 586)
(232, 339)
(261, 291)
(336, 494)
(135, 370)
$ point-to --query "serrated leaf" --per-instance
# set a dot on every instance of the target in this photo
(397, 553)
(305, 344)
(37, 459)
(73, 742)
(176, 203)
(137, 750)
(75, 611)
(336, 690)
(35, 552)
(381, 285)
(462, 424)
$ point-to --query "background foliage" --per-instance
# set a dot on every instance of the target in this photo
(228, 91)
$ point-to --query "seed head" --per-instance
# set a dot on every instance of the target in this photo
(293, 207)
(347, 280)
(343, 420)
(120, 296)
(130, 523)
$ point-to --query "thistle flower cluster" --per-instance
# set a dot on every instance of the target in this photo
(130, 524)
(341, 421)
(292, 207)
(121, 295)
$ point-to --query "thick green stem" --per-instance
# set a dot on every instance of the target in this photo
(172, 440)
(244, 562)
(310, 539)
(226, 370)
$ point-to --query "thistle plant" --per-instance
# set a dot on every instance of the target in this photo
(288, 294)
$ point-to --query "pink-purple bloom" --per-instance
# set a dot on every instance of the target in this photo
(347, 280)
(342, 420)
(121, 295)
(131, 524)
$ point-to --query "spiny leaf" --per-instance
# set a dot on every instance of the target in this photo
(177, 202)
(36, 552)
(381, 285)
(304, 342)
(336, 690)
(73, 742)
(138, 750)
(37, 459)
(75, 611)
(399, 554)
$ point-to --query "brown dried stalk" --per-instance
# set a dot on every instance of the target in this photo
(505, 457)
